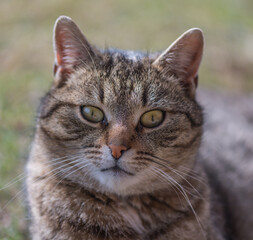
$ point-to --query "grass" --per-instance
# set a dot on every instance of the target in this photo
(18, 97)
(26, 59)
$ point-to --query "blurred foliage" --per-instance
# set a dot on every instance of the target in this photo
(26, 58)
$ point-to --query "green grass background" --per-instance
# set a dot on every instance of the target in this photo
(26, 59)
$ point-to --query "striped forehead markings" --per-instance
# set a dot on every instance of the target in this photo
(101, 91)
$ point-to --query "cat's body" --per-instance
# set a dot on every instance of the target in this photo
(227, 156)
(116, 150)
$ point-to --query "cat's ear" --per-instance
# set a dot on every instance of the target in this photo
(71, 48)
(182, 59)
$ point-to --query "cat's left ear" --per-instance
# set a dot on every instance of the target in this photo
(182, 59)
(71, 48)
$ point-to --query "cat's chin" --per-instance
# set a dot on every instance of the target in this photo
(118, 181)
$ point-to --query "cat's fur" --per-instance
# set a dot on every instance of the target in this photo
(166, 194)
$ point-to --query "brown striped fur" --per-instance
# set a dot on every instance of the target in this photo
(163, 192)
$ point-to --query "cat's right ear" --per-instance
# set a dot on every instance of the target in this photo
(71, 49)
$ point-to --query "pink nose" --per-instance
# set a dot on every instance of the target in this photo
(117, 150)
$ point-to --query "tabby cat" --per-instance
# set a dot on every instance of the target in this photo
(116, 153)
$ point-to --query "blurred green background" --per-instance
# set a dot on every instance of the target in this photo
(26, 60)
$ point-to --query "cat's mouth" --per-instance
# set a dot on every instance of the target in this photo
(117, 171)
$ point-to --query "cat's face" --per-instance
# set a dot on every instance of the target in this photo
(118, 122)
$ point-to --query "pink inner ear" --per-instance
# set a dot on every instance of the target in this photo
(59, 62)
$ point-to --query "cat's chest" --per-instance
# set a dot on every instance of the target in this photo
(87, 213)
(137, 217)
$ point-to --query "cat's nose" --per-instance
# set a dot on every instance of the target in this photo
(117, 150)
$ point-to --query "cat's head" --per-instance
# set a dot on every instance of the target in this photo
(120, 121)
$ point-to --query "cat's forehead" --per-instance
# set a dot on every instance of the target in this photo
(123, 84)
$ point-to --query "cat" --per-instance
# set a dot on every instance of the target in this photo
(118, 150)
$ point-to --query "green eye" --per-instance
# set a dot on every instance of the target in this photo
(152, 118)
(92, 114)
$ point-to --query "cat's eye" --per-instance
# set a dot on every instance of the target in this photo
(152, 118)
(92, 114)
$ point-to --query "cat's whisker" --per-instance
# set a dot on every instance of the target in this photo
(186, 198)
(198, 179)
(179, 187)
(19, 193)
(23, 175)
(60, 171)
(72, 160)
(164, 161)
(59, 174)
(192, 172)
(68, 158)
(83, 147)
(198, 193)
(165, 165)
(13, 181)
(76, 164)
(55, 159)
(63, 159)
(63, 170)
(190, 175)
(54, 162)
(61, 167)
(78, 169)
(41, 177)
(158, 174)
(168, 181)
